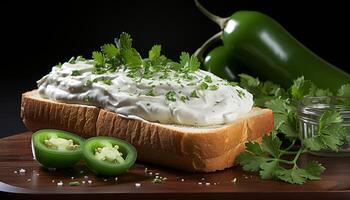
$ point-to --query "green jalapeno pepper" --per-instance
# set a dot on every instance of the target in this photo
(56, 149)
(108, 156)
(219, 62)
(266, 48)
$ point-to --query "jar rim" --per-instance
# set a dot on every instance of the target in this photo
(308, 105)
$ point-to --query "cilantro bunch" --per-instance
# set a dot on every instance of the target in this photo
(278, 159)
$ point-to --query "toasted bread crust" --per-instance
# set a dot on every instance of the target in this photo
(201, 150)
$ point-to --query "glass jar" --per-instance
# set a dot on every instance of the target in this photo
(310, 110)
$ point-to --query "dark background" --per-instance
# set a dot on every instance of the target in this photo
(36, 36)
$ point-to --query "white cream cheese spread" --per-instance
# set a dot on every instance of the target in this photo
(201, 100)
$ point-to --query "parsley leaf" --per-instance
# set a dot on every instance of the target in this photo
(266, 158)
(110, 50)
(124, 41)
(248, 82)
(279, 108)
(271, 144)
(330, 133)
(252, 158)
(132, 58)
(314, 170)
(295, 175)
(301, 88)
(321, 92)
(268, 169)
(262, 91)
(344, 90)
(284, 117)
(189, 63)
(251, 162)
(154, 52)
(98, 57)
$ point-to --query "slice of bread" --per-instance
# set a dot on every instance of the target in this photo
(202, 149)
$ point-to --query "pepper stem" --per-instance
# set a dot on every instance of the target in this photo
(218, 20)
(199, 52)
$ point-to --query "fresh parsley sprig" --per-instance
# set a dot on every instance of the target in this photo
(122, 54)
(269, 158)
(329, 135)
(266, 158)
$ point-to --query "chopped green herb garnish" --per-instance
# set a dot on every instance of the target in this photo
(171, 96)
(105, 80)
(184, 98)
(213, 87)
(203, 86)
(150, 92)
(208, 79)
(122, 55)
(76, 73)
(187, 76)
(240, 93)
(165, 75)
(88, 83)
(191, 84)
(74, 183)
(194, 94)
(148, 104)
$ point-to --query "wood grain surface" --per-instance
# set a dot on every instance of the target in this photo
(38, 183)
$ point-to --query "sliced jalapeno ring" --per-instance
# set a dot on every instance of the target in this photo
(108, 156)
(56, 149)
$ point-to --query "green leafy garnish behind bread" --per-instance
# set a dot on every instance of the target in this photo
(269, 158)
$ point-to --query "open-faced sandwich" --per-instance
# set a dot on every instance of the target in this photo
(173, 113)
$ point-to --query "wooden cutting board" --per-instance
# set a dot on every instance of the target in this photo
(37, 182)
